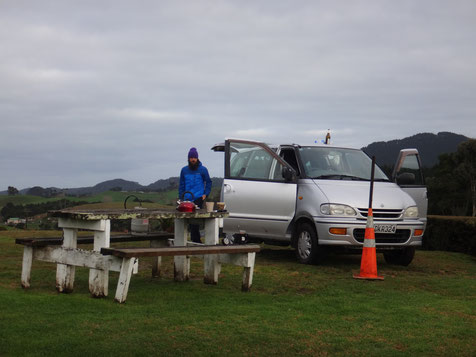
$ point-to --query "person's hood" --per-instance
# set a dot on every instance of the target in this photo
(387, 195)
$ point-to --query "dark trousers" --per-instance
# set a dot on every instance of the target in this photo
(195, 228)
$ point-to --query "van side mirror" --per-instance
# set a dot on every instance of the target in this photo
(288, 174)
(406, 178)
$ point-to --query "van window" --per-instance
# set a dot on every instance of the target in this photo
(338, 164)
(249, 161)
(411, 165)
(290, 157)
(239, 162)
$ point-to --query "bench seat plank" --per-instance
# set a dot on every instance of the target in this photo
(245, 256)
(174, 251)
(41, 248)
(41, 242)
(77, 257)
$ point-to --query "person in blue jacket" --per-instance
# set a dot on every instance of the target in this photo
(194, 178)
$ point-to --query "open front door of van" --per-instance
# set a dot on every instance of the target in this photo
(259, 190)
(408, 175)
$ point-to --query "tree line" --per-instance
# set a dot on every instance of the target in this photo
(452, 182)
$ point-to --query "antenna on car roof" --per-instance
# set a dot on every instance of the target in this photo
(328, 137)
(327, 141)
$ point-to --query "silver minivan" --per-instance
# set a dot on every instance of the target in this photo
(316, 197)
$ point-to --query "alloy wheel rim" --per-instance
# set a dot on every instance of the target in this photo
(304, 245)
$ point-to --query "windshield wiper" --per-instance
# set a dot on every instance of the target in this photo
(341, 177)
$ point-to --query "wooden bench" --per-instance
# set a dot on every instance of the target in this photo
(241, 255)
(41, 242)
(41, 248)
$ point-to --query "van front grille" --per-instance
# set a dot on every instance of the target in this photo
(382, 213)
(400, 236)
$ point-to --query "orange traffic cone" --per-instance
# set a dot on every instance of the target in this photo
(368, 265)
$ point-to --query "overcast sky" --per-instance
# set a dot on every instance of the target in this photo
(97, 90)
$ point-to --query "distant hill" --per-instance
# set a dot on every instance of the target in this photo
(430, 146)
(163, 184)
(173, 182)
(116, 184)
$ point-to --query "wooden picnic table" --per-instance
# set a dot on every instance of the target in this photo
(68, 256)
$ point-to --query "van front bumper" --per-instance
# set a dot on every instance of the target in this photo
(355, 230)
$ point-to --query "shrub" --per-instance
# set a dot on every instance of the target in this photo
(453, 234)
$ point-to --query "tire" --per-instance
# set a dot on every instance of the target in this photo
(307, 250)
(400, 257)
(227, 240)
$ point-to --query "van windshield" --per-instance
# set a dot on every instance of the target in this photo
(338, 164)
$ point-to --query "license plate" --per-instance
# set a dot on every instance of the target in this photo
(386, 228)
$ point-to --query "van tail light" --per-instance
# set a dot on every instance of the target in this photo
(338, 231)
(418, 232)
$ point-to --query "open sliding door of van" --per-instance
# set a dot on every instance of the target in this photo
(408, 175)
(260, 200)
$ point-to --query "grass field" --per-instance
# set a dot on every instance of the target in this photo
(167, 197)
(426, 309)
(163, 198)
(23, 200)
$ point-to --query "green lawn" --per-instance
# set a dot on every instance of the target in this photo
(23, 199)
(426, 309)
(166, 197)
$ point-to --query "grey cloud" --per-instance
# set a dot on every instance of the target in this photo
(92, 91)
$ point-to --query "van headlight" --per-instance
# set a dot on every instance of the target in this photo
(331, 209)
(411, 212)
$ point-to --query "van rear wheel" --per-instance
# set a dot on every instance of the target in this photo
(400, 256)
(307, 250)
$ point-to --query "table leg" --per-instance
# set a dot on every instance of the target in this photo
(181, 263)
(156, 265)
(211, 265)
(65, 273)
(124, 279)
(99, 279)
(26, 266)
(248, 273)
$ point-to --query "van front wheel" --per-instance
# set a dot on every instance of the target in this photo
(307, 250)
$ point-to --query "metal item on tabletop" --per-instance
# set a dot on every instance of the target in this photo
(139, 226)
(186, 206)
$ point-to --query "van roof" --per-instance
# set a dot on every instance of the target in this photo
(220, 146)
(321, 146)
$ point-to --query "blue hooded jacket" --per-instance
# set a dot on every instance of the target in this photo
(196, 181)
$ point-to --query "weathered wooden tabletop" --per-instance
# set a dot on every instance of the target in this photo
(92, 215)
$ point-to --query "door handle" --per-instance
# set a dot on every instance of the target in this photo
(227, 187)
